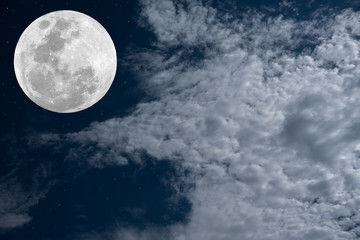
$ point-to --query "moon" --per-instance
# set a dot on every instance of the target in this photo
(65, 61)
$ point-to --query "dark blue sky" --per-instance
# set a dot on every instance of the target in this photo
(50, 181)
(79, 199)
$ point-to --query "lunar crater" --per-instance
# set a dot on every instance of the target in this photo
(44, 24)
(69, 64)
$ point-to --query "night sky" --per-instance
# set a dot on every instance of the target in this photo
(225, 120)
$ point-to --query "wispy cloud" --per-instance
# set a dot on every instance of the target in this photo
(25, 177)
(11, 220)
(17, 197)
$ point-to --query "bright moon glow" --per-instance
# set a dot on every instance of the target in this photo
(65, 61)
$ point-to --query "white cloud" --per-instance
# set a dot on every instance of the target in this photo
(184, 25)
(269, 130)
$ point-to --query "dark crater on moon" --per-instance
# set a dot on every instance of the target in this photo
(62, 24)
(44, 24)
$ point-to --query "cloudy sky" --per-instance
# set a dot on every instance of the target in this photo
(242, 122)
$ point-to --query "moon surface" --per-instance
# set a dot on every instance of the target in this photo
(65, 61)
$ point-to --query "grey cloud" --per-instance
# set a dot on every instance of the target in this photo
(26, 178)
(189, 24)
(11, 220)
(129, 233)
(16, 200)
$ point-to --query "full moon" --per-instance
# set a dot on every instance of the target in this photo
(65, 61)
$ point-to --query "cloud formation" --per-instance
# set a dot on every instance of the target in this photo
(26, 178)
(262, 110)
(16, 196)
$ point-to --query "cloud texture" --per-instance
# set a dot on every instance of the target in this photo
(264, 113)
